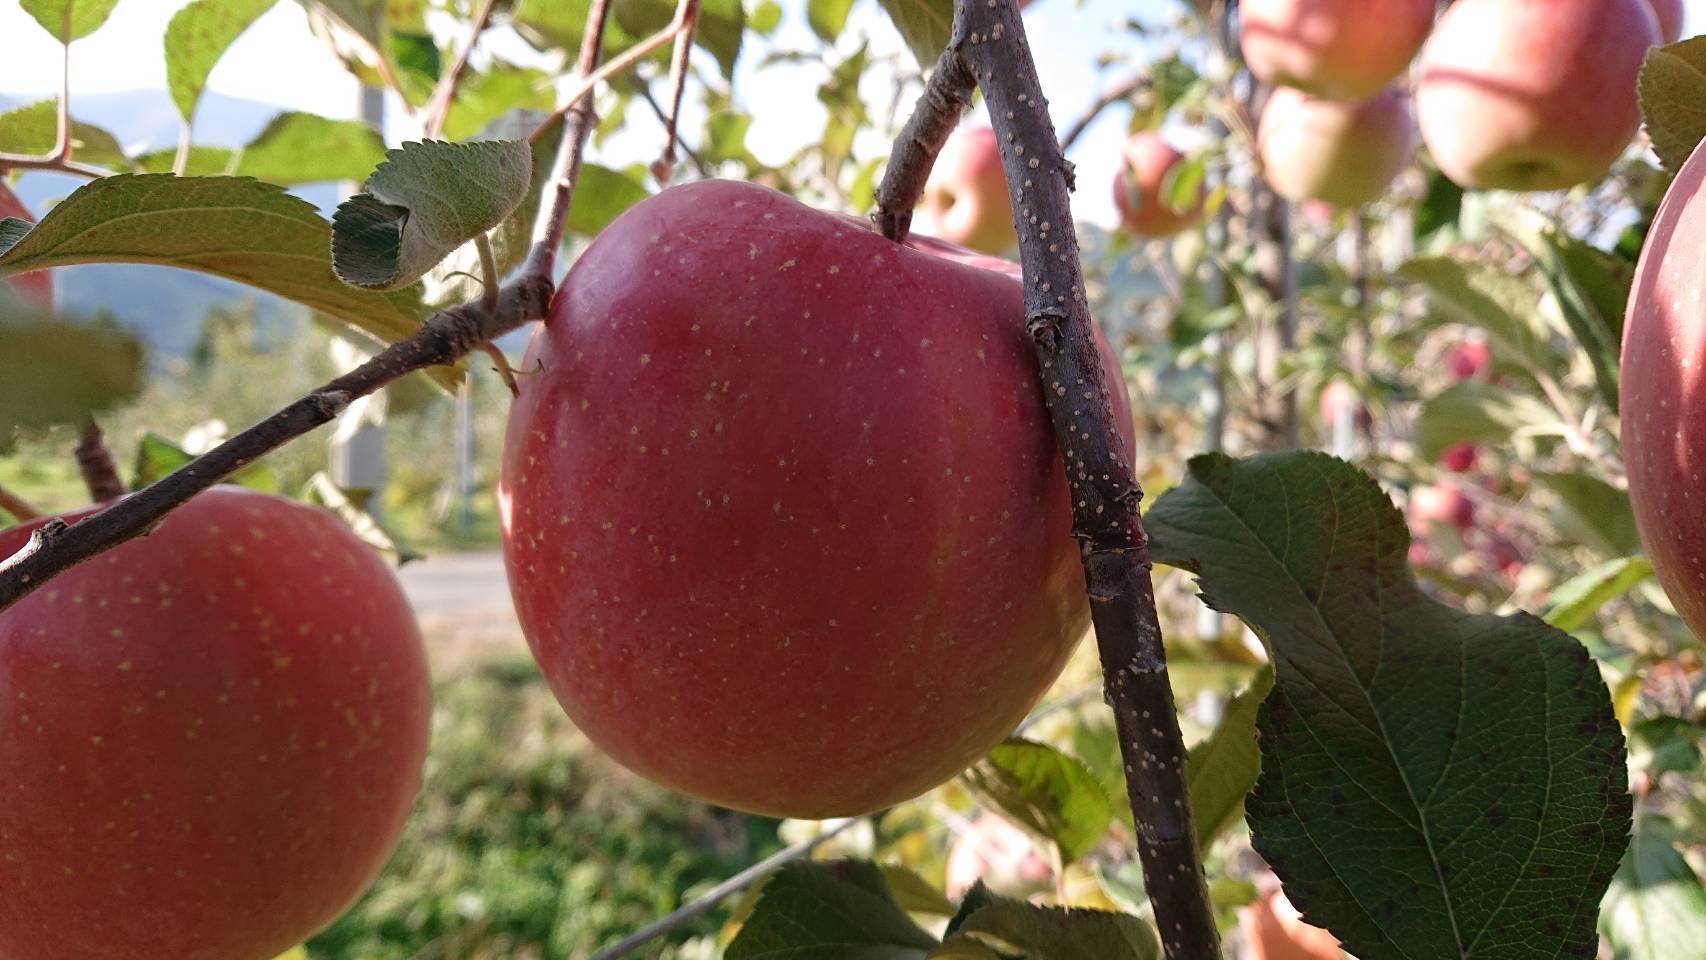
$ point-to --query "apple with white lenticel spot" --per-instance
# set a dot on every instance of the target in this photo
(783, 513)
(209, 738)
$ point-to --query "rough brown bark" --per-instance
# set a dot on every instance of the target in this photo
(95, 462)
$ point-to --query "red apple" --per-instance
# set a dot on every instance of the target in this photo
(1663, 387)
(1470, 360)
(965, 201)
(1343, 49)
(998, 853)
(1442, 502)
(1533, 94)
(1275, 930)
(1459, 458)
(783, 514)
(1141, 187)
(213, 736)
(1670, 16)
(37, 285)
(1338, 398)
(1346, 154)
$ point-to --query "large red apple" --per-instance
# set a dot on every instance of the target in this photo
(1345, 154)
(965, 201)
(1670, 16)
(209, 738)
(783, 514)
(1343, 49)
(1141, 189)
(38, 285)
(1533, 94)
(1663, 390)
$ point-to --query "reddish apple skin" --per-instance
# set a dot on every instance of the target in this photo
(1276, 931)
(1663, 393)
(37, 285)
(1345, 154)
(213, 736)
(783, 514)
(1470, 360)
(1670, 16)
(965, 201)
(1441, 503)
(1137, 190)
(1533, 94)
(1341, 49)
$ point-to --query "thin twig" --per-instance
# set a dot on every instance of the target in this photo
(17, 506)
(664, 169)
(628, 58)
(1112, 95)
(946, 96)
(443, 95)
(447, 337)
(24, 161)
(989, 47)
(381, 65)
(555, 199)
(95, 463)
(62, 139)
(181, 159)
(693, 157)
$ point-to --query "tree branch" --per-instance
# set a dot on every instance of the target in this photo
(693, 157)
(1109, 97)
(17, 506)
(24, 161)
(989, 46)
(946, 96)
(438, 106)
(664, 169)
(95, 462)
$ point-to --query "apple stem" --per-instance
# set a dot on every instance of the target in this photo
(989, 49)
(445, 338)
(95, 462)
(664, 169)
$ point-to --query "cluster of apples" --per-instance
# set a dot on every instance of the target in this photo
(1509, 94)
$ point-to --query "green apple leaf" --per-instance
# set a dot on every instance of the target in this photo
(197, 36)
(1665, 745)
(815, 911)
(557, 25)
(69, 20)
(925, 25)
(1009, 927)
(57, 371)
(828, 17)
(1592, 290)
(487, 96)
(1575, 602)
(244, 230)
(1473, 412)
(600, 196)
(1656, 907)
(914, 894)
(156, 457)
(1593, 513)
(975, 899)
(1673, 99)
(1050, 794)
(1484, 295)
(766, 17)
(34, 129)
(201, 162)
(352, 507)
(297, 148)
(1222, 770)
(426, 200)
(1434, 783)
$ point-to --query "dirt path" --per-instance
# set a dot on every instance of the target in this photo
(462, 600)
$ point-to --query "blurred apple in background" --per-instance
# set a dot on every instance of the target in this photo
(1470, 360)
(1142, 188)
(998, 853)
(1443, 502)
(1671, 16)
(37, 286)
(1276, 931)
(1533, 94)
(1345, 154)
(965, 201)
(1343, 49)
(1459, 458)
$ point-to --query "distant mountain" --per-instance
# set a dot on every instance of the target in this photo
(163, 306)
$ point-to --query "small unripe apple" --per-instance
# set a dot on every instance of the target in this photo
(1469, 360)
(1141, 189)
(1663, 393)
(1670, 15)
(1345, 154)
(1342, 49)
(1459, 457)
(212, 736)
(1442, 502)
(965, 201)
(1533, 94)
(36, 285)
(784, 517)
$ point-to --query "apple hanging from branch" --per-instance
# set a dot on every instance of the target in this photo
(1345, 154)
(784, 517)
(1142, 188)
(1339, 49)
(212, 737)
(966, 202)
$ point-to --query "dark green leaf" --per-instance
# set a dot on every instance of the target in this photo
(1595, 513)
(601, 195)
(1673, 99)
(1577, 600)
(1056, 933)
(1474, 412)
(197, 36)
(426, 200)
(57, 371)
(33, 129)
(1656, 908)
(1665, 745)
(1222, 769)
(828, 17)
(1592, 289)
(1052, 795)
(826, 911)
(975, 899)
(1434, 783)
(156, 457)
(1440, 208)
(69, 20)
(926, 25)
